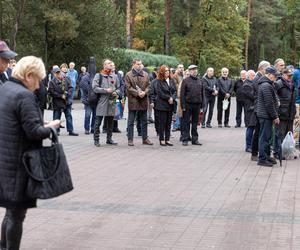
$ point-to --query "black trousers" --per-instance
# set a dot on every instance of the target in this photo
(12, 228)
(220, 111)
(210, 104)
(240, 106)
(110, 124)
(255, 139)
(165, 120)
(191, 113)
(156, 120)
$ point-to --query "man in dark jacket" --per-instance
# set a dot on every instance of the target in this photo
(192, 99)
(60, 88)
(287, 109)
(239, 98)
(5, 55)
(89, 109)
(225, 87)
(267, 113)
(253, 119)
(211, 91)
(247, 93)
(137, 87)
(41, 94)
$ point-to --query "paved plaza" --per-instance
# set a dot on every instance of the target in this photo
(159, 198)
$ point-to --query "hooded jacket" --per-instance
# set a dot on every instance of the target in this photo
(267, 100)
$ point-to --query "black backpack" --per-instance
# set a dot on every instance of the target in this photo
(92, 96)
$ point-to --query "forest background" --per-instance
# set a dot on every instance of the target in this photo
(233, 33)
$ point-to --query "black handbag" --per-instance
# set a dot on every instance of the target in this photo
(48, 170)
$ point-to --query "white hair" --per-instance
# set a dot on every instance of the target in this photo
(263, 65)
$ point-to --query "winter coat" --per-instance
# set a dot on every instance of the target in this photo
(21, 128)
(225, 87)
(247, 93)
(41, 94)
(164, 93)
(57, 89)
(296, 82)
(192, 91)
(84, 85)
(237, 88)
(286, 94)
(153, 92)
(3, 78)
(107, 102)
(136, 82)
(210, 85)
(267, 101)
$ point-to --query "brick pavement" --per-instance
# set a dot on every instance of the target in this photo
(208, 197)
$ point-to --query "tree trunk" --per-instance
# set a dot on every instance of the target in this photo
(1, 20)
(128, 25)
(168, 9)
(247, 34)
(17, 23)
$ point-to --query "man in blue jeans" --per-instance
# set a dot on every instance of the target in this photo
(61, 90)
(267, 113)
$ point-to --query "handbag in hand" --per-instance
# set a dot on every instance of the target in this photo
(48, 170)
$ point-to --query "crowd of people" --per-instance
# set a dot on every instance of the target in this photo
(269, 98)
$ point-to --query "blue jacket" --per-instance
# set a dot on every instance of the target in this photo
(73, 75)
(296, 82)
(84, 87)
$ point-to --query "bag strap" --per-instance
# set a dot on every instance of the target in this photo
(54, 139)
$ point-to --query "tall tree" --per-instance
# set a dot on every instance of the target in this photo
(128, 25)
(168, 9)
(247, 33)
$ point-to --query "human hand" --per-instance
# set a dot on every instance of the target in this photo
(216, 92)
(171, 101)
(152, 105)
(55, 124)
(227, 95)
(276, 121)
(142, 94)
(109, 91)
(63, 97)
(114, 94)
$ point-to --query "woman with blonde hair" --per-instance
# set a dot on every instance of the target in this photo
(21, 128)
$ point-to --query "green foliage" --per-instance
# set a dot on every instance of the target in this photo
(123, 58)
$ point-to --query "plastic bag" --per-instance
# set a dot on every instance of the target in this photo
(288, 146)
(225, 104)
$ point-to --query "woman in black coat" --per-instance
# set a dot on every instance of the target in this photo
(21, 128)
(164, 104)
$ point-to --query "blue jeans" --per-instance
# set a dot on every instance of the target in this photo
(67, 111)
(265, 136)
(88, 123)
(143, 120)
(249, 135)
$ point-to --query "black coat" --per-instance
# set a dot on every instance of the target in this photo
(152, 92)
(41, 94)
(192, 91)
(21, 128)
(286, 94)
(59, 88)
(210, 85)
(267, 101)
(237, 89)
(247, 93)
(163, 93)
(253, 118)
(225, 86)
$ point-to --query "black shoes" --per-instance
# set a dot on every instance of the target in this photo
(169, 143)
(272, 160)
(73, 134)
(265, 163)
(208, 126)
(220, 125)
(162, 143)
(185, 143)
(237, 126)
(196, 143)
(116, 130)
(111, 142)
(87, 132)
(96, 143)
(227, 126)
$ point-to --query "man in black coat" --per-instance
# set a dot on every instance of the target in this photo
(5, 55)
(60, 88)
(267, 113)
(287, 109)
(239, 98)
(225, 87)
(253, 119)
(192, 99)
(211, 91)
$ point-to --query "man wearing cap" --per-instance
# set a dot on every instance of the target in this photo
(61, 90)
(287, 109)
(192, 98)
(267, 113)
(5, 55)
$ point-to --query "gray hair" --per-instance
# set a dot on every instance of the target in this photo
(278, 60)
(263, 65)
(249, 72)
